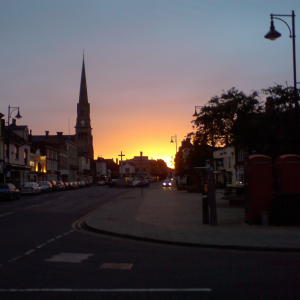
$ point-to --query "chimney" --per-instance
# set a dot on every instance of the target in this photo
(14, 122)
(59, 134)
(30, 132)
(47, 133)
(117, 160)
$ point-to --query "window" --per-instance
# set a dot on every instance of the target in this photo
(229, 162)
(25, 157)
(5, 150)
(229, 177)
(16, 152)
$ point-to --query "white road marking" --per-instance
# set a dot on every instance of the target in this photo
(14, 259)
(70, 257)
(40, 246)
(50, 241)
(31, 206)
(30, 251)
(171, 290)
(58, 237)
(116, 266)
(6, 214)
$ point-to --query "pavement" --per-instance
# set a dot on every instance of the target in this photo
(171, 216)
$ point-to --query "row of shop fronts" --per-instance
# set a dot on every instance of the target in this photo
(25, 158)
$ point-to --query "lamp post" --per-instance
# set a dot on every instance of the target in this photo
(273, 35)
(175, 139)
(195, 115)
(11, 109)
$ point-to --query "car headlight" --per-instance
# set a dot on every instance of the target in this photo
(164, 183)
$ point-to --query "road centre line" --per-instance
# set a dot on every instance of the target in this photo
(30, 251)
(6, 214)
(38, 247)
(153, 290)
(31, 206)
(14, 259)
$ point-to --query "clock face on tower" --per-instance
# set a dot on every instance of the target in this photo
(82, 122)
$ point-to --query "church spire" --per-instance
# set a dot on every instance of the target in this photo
(83, 97)
(83, 128)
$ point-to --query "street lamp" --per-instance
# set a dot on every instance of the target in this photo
(175, 139)
(11, 109)
(195, 115)
(273, 35)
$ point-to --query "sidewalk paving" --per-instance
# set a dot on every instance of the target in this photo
(169, 215)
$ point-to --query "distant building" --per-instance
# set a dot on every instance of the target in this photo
(224, 162)
(16, 153)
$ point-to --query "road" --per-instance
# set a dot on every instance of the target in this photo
(45, 254)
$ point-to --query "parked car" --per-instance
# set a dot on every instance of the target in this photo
(46, 186)
(114, 182)
(140, 183)
(31, 188)
(54, 185)
(67, 185)
(9, 192)
(61, 185)
(71, 185)
(101, 182)
(75, 184)
(167, 183)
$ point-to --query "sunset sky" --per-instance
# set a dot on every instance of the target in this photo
(148, 63)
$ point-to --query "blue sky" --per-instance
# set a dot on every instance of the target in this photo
(148, 63)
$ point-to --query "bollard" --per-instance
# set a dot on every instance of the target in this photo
(205, 209)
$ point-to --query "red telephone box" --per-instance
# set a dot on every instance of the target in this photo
(287, 174)
(258, 187)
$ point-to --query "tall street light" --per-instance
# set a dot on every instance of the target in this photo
(175, 140)
(273, 35)
(195, 115)
(11, 109)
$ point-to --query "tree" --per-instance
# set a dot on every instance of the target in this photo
(280, 121)
(232, 118)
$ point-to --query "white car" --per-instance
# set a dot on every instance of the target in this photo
(31, 188)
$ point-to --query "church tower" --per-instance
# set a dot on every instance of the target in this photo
(83, 127)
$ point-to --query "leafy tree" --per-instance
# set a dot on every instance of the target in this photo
(280, 134)
(232, 118)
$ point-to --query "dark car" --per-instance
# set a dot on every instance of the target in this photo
(61, 185)
(54, 185)
(141, 184)
(9, 192)
(67, 185)
(46, 186)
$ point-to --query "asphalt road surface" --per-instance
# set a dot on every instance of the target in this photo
(46, 253)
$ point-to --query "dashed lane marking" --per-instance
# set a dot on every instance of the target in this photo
(30, 251)
(6, 214)
(153, 290)
(40, 246)
(14, 259)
